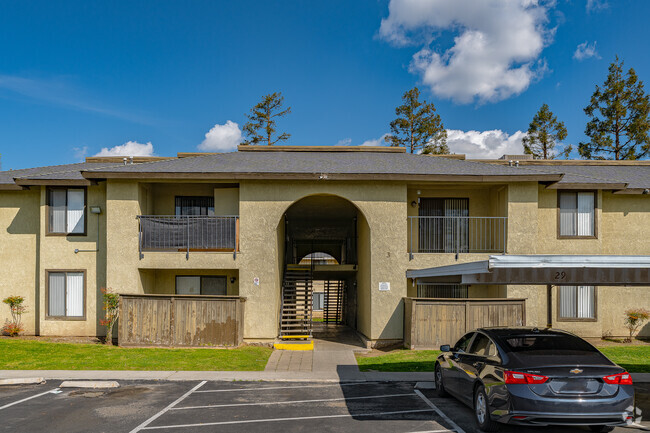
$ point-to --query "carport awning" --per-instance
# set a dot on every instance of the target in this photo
(542, 269)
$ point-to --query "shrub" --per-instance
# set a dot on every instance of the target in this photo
(18, 308)
(634, 319)
(112, 308)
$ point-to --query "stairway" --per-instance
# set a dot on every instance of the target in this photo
(295, 321)
(333, 308)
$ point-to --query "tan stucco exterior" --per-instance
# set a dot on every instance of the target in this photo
(384, 239)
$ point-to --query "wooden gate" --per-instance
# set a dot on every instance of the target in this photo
(181, 320)
(430, 323)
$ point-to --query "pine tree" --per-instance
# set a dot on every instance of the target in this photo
(418, 127)
(544, 132)
(619, 122)
(261, 120)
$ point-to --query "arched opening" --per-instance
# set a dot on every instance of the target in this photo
(319, 237)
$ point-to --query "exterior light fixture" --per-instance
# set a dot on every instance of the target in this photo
(414, 203)
(95, 209)
(646, 191)
(232, 280)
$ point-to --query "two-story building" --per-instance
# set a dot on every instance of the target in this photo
(567, 238)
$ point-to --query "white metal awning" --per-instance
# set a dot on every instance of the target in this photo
(543, 269)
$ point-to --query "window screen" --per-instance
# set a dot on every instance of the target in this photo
(194, 205)
(442, 290)
(577, 302)
(66, 294)
(577, 213)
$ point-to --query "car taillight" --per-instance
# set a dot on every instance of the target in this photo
(515, 377)
(619, 379)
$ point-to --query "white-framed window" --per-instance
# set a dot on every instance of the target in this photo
(201, 285)
(577, 302)
(66, 210)
(66, 294)
(577, 214)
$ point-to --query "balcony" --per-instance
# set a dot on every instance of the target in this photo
(174, 233)
(457, 234)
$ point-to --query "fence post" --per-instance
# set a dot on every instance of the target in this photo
(457, 237)
(411, 244)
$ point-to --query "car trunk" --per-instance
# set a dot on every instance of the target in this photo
(574, 380)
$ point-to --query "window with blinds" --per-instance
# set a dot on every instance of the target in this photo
(66, 210)
(66, 294)
(200, 285)
(442, 291)
(577, 213)
(577, 302)
(194, 205)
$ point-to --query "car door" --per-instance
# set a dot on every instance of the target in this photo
(470, 365)
(451, 371)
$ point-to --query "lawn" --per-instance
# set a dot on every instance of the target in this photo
(41, 355)
(636, 359)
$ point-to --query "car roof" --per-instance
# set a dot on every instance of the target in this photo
(503, 332)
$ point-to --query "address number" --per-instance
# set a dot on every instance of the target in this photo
(560, 275)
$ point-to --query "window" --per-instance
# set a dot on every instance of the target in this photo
(463, 343)
(577, 302)
(319, 301)
(482, 346)
(65, 294)
(200, 285)
(439, 231)
(442, 291)
(66, 210)
(194, 205)
(577, 214)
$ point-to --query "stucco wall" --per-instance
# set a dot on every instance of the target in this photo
(58, 253)
(163, 281)
(19, 231)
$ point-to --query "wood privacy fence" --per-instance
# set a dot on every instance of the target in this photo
(181, 320)
(429, 323)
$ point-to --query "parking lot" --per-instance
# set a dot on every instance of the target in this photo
(237, 407)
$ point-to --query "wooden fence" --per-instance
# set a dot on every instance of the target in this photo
(181, 320)
(429, 323)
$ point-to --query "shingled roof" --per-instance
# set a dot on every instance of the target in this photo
(320, 165)
(70, 173)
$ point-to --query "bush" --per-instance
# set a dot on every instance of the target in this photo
(17, 307)
(112, 308)
(634, 319)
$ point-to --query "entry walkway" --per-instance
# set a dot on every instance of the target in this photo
(334, 347)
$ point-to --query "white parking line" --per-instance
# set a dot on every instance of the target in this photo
(287, 387)
(347, 415)
(211, 406)
(28, 398)
(156, 416)
(439, 412)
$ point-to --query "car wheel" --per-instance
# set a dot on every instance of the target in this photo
(601, 428)
(482, 411)
(440, 387)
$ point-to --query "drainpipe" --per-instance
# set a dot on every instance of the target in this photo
(549, 306)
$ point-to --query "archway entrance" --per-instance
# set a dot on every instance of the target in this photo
(320, 266)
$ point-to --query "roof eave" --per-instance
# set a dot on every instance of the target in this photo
(53, 182)
(587, 185)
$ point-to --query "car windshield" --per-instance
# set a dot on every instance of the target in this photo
(536, 344)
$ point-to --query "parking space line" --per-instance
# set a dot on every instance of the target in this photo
(433, 431)
(28, 398)
(288, 387)
(347, 415)
(162, 412)
(439, 412)
(211, 406)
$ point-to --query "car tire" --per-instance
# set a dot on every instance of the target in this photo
(482, 411)
(440, 387)
(601, 428)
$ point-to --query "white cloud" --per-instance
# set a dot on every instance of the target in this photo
(586, 50)
(375, 142)
(485, 144)
(80, 152)
(496, 48)
(130, 148)
(596, 5)
(222, 138)
(344, 142)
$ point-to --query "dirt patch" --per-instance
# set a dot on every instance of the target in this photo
(76, 340)
(129, 391)
(87, 393)
(381, 351)
(613, 342)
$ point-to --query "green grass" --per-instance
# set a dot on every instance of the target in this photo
(40, 355)
(635, 359)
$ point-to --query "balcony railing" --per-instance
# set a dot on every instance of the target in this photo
(188, 233)
(456, 234)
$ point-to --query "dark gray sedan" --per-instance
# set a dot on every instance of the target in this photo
(535, 376)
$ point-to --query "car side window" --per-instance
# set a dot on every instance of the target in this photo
(480, 346)
(463, 343)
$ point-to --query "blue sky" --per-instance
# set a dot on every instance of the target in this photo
(77, 77)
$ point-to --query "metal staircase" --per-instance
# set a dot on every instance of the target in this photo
(333, 308)
(295, 321)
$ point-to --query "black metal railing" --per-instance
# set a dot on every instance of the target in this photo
(188, 233)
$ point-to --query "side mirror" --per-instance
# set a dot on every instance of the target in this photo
(445, 348)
